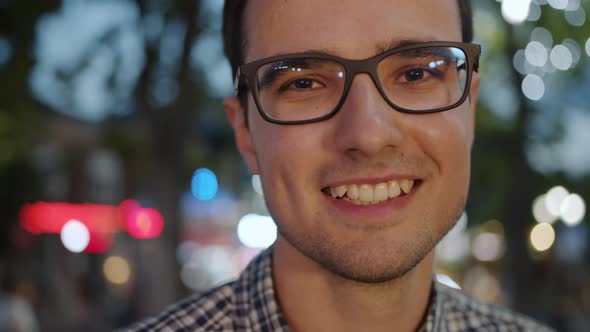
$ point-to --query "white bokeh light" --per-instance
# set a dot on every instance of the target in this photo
(573, 5)
(543, 36)
(75, 236)
(536, 54)
(561, 57)
(558, 4)
(554, 198)
(518, 61)
(488, 247)
(515, 11)
(185, 251)
(576, 17)
(540, 212)
(533, 87)
(534, 12)
(572, 209)
(574, 48)
(587, 47)
(256, 231)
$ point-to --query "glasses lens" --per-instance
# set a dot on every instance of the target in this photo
(300, 88)
(424, 79)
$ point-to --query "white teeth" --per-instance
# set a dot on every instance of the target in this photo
(340, 191)
(406, 185)
(380, 193)
(353, 191)
(363, 194)
(333, 192)
(366, 193)
(394, 189)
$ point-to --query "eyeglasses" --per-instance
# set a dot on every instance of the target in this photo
(309, 87)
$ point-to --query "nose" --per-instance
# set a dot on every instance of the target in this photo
(366, 124)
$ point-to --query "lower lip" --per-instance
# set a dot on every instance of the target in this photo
(379, 212)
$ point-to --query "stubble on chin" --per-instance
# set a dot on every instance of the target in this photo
(370, 262)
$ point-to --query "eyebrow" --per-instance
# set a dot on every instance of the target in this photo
(380, 47)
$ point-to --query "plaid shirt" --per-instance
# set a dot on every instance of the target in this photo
(249, 304)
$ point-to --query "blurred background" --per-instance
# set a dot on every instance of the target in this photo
(121, 190)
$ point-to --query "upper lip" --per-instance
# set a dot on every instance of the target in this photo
(371, 180)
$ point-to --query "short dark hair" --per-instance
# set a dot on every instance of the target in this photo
(234, 41)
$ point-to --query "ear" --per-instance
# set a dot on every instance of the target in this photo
(473, 94)
(236, 116)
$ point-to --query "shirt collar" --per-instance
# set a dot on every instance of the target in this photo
(256, 296)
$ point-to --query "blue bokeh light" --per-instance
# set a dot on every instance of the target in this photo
(204, 184)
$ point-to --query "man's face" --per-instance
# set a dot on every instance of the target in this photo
(366, 144)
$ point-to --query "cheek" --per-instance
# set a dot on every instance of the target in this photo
(447, 138)
(286, 155)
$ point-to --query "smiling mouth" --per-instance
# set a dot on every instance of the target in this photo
(366, 194)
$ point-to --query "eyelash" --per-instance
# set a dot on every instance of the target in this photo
(289, 83)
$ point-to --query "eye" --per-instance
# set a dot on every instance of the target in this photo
(304, 83)
(415, 74)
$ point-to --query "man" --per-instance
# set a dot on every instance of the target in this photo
(359, 119)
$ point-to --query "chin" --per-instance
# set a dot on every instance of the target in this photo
(368, 262)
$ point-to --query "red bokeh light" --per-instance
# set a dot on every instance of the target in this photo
(144, 223)
(101, 220)
(99, 243)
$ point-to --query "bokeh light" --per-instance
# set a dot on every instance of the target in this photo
(488, 247)
(587, 46)
(534, 12)
(99, 243)
(571, 244)
(573, 5)
(5, 51)
(554, 198)
(533, 87)
(116, 270)
(519, 61)
(536, 54)
(542, 36)
(185, 251)
(561, 57)
(576, 17)
(145, 223)
(75, 236)
(540, 212)
(542, 237)
(204, 184)
(515, 11)
(455, 245)
(482, 284)
(256, 231)
(558, 4)
(208, 266)
(572, 209)
(574, 49)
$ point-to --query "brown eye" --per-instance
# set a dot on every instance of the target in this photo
(303, 83)
(414, 75)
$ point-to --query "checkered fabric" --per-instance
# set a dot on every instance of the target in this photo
(249, 304)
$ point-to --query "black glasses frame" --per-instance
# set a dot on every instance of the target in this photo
(247, 74)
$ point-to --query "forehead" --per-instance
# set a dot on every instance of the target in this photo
(348, 28)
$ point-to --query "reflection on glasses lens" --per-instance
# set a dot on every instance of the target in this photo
(424, 79)
(417, 80)
(299, 89)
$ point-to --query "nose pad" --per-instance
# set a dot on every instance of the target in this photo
(366, 122)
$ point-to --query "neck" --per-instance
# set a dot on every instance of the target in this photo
(314, 299)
